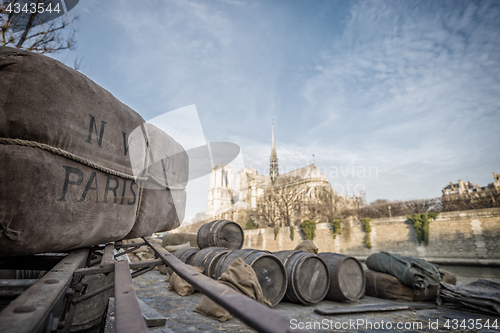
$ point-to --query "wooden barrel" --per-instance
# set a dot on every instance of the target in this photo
(185, 255)
(308, 276)
(269, 271)
(221, 233)
(347, 277)
(213, 259)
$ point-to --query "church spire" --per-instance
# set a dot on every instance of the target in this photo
(273, 170)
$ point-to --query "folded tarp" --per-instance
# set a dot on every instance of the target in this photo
(479, 296)
(413, 272)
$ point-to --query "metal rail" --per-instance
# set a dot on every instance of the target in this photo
(128, 315)
(111, 268)
(252, 313)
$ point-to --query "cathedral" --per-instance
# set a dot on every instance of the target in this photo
(252, 192)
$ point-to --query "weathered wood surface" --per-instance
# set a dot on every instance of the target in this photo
(128, 316)
(347, 278)
(221, 233)
(372, 308)
(151, 316)
(308, 276)
(269, 270)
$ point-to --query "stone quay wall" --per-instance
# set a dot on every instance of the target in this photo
(465, 237)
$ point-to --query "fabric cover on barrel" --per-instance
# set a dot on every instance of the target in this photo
(269, 270)
(221, 233)
(180, 286)
(347, 279)
(65, 168)
(240, 277)
(308, 276)
(307, 246)
(180, 238)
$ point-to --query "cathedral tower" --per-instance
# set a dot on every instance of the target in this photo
(273, 170)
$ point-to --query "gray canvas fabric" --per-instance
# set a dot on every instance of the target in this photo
(307, 246)
(180, 286)
(52, 203)
(413, 272)
(240, 277)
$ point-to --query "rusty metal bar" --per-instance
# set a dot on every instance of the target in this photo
(117, 245)
(111, 268)
(107, 257)
(111, 285)
(130, 249)
(28, 312)
(252, 313)
(128, 315)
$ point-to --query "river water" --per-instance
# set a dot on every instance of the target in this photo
(467, 274)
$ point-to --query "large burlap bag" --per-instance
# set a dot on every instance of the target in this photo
(167, 162)
(180, 286)
(66, 175)
(307, 246)
(413, 272)
(239, 276)
(386, 286)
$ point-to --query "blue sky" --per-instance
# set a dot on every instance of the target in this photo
(408, 88)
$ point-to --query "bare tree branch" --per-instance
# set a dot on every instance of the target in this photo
(50, 37)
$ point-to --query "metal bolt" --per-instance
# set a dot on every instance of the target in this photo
(52, 281)
(24, 309)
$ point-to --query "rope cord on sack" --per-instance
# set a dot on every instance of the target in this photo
(58, 151)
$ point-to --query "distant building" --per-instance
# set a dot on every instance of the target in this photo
(231, 201)
(467, 188)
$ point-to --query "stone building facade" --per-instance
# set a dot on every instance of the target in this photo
(237, 201)
(467, 188)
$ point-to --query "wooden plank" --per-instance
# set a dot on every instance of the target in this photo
(372, 308)
(29, 312)
(109, 326)
(128, 316)
(152, 318)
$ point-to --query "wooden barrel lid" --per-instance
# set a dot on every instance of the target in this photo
(271, 275)
(347, 278)
(221, 233)
(308, 276)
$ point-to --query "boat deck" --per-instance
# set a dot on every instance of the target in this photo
(178, 310)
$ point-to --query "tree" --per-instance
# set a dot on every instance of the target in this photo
(279, 205)
(39, 25)
(288, 201)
